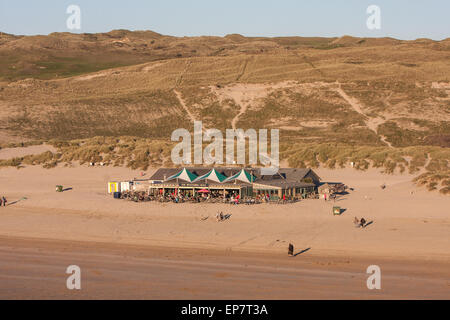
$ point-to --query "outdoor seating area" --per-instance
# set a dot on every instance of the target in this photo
(142, 196)
(234, 186)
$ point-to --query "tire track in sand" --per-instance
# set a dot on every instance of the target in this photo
(244, 69)
(182, 73)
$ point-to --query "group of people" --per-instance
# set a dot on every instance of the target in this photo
(267, 198)
(235, 199)
(222, 217)
(3, 201)
(263, 197)
(359, 223)
(329, 197)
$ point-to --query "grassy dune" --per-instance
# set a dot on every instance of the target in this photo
(116, 97)
(142, 153)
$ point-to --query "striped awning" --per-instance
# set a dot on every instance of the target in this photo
(212, 175)
(241, 176)
(184, 174)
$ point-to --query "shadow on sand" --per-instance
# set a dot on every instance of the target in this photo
(14, 202)
(367, 224)
(300, 252)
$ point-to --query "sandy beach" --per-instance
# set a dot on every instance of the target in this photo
(35, 269)
(409, 231)
(9, 153)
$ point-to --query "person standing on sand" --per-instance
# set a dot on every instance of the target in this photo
(362, 222)
(4, 201)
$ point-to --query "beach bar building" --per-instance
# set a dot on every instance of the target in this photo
(227, 181)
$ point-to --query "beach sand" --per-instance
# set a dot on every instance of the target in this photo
(9, 153)
(409, 234)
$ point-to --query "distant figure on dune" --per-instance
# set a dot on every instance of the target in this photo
(4, 201)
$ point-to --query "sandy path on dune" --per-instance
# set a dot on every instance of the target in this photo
(9, 153)
(185, 107)
(246, 94)
(371, 123)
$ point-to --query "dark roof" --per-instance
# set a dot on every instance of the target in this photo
(286, 177)
(164, 173)
(211, 184)
(286, 184)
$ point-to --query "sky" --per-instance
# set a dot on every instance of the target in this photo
(401, 19)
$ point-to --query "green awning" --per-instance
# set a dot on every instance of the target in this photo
(212, 175)
(184, 174)
(241, 176)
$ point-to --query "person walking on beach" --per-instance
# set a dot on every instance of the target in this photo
(362, 222)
